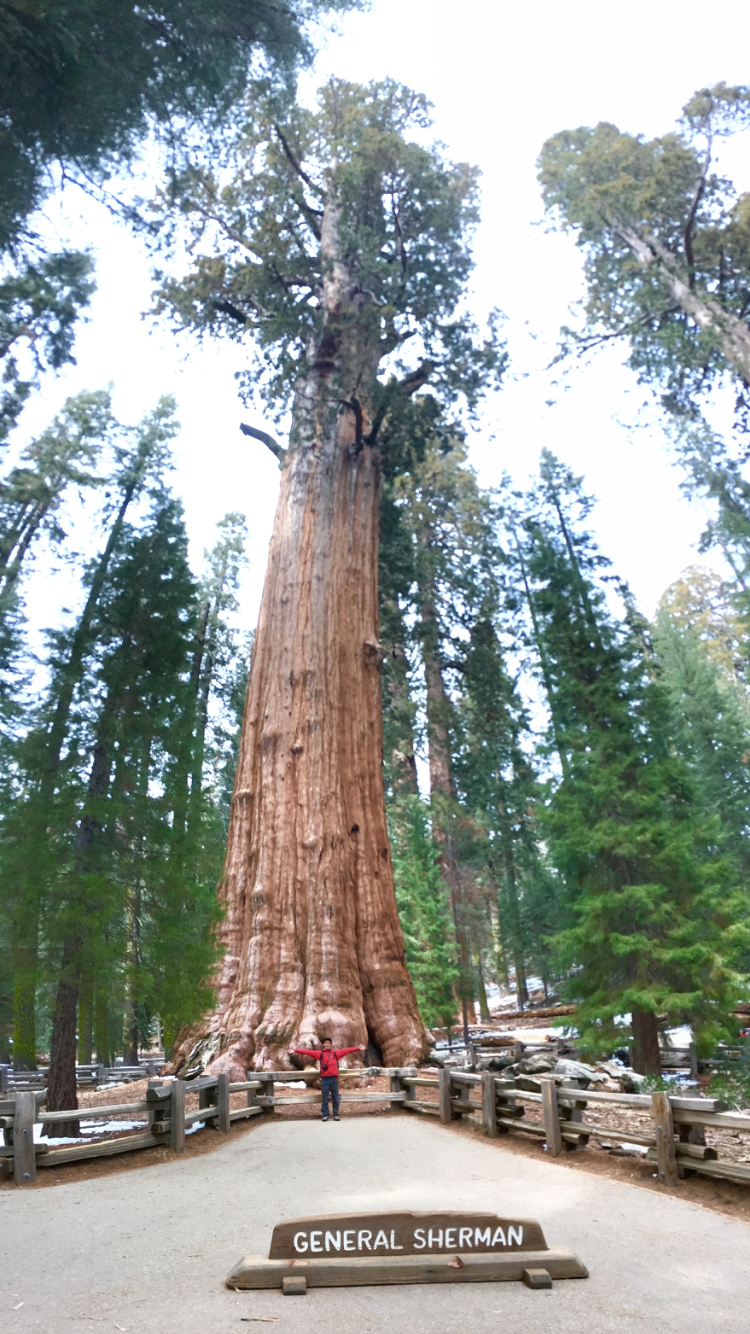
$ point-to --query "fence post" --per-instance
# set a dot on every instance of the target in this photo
(396, 1087)
(252, 1094)
(24, 1157)
(154, 1112)
(693, 1058)
(489, 1105)
(222, 1101)
(267, 1091)
(177, 1116)
(552, 1131)
(4, 1078)
(666, 1153)
(464, 1095)
(572, 1114)
(444, 1089)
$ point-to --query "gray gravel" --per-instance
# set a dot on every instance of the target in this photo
(147, 1252)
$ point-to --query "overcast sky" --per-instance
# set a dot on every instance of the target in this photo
(502, 77)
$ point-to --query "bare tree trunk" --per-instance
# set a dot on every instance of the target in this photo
(646, 1053)
(311, 940)
(484, 1009)
(86, 1017)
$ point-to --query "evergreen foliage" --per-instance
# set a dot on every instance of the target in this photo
(404, 217)
(666, 241)
(658, 921)
(108, 885)
(41, 299)
(423, 910)
(81, 85)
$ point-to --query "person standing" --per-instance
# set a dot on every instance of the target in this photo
(329, 1072)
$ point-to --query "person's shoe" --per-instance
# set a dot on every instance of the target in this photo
(324, 1119)
(337, 1118)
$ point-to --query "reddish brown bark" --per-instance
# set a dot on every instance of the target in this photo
(646, 1053)
(311, 940)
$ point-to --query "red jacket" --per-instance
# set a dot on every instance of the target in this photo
(329, 1060)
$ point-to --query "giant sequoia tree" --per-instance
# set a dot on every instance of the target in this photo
(342, 243)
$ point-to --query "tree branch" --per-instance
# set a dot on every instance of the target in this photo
(276, 449)
(408, 386)
(295, 163)
(227, 308)
(689, 231)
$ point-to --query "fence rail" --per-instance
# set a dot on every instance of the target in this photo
(673, 1135)
(87, 1076)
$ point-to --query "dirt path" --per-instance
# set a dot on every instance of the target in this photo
(147, 1252)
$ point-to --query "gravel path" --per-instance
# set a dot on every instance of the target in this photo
(147, 1252)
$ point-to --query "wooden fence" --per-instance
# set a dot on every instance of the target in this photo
(674, 1135)
(87, 1076)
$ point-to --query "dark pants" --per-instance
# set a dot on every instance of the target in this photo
(330, 1084)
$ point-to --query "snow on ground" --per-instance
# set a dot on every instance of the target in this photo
(87, 1128)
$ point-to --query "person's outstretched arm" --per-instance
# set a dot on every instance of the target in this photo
(347, 1051)
(300, 1051)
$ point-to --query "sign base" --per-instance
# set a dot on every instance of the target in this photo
(255, 1271)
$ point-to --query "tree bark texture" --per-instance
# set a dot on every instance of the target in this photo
(646, 1052)
(311, 940)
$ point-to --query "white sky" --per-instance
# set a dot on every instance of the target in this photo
(502, 78)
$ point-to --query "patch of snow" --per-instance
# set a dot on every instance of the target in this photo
(106, 1127)
(88, 1128)
(295, 1084)
(533, 1034)
(680, 1037)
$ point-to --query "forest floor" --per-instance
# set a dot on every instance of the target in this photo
(147, 1252)
(726, 1197)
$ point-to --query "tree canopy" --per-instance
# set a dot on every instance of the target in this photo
(400, 220)
(82, 83)
(666, 240)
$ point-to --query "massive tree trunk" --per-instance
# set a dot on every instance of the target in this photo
(311, 940)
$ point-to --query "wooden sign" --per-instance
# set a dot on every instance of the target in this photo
(404, 1234)
(341, 1250)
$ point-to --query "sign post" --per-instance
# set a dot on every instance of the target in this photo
(341, 1250)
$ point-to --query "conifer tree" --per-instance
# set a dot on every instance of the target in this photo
(139, 458)
(117, 884)
(655, 913)
(362, 235)
(709, 719)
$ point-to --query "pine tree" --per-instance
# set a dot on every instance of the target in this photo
(423, 909)
(43, 800)
(709, 717)
(654, 910)
(119, 885)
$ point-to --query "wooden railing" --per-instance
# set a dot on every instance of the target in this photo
(87, 1076)
(673, 1134)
